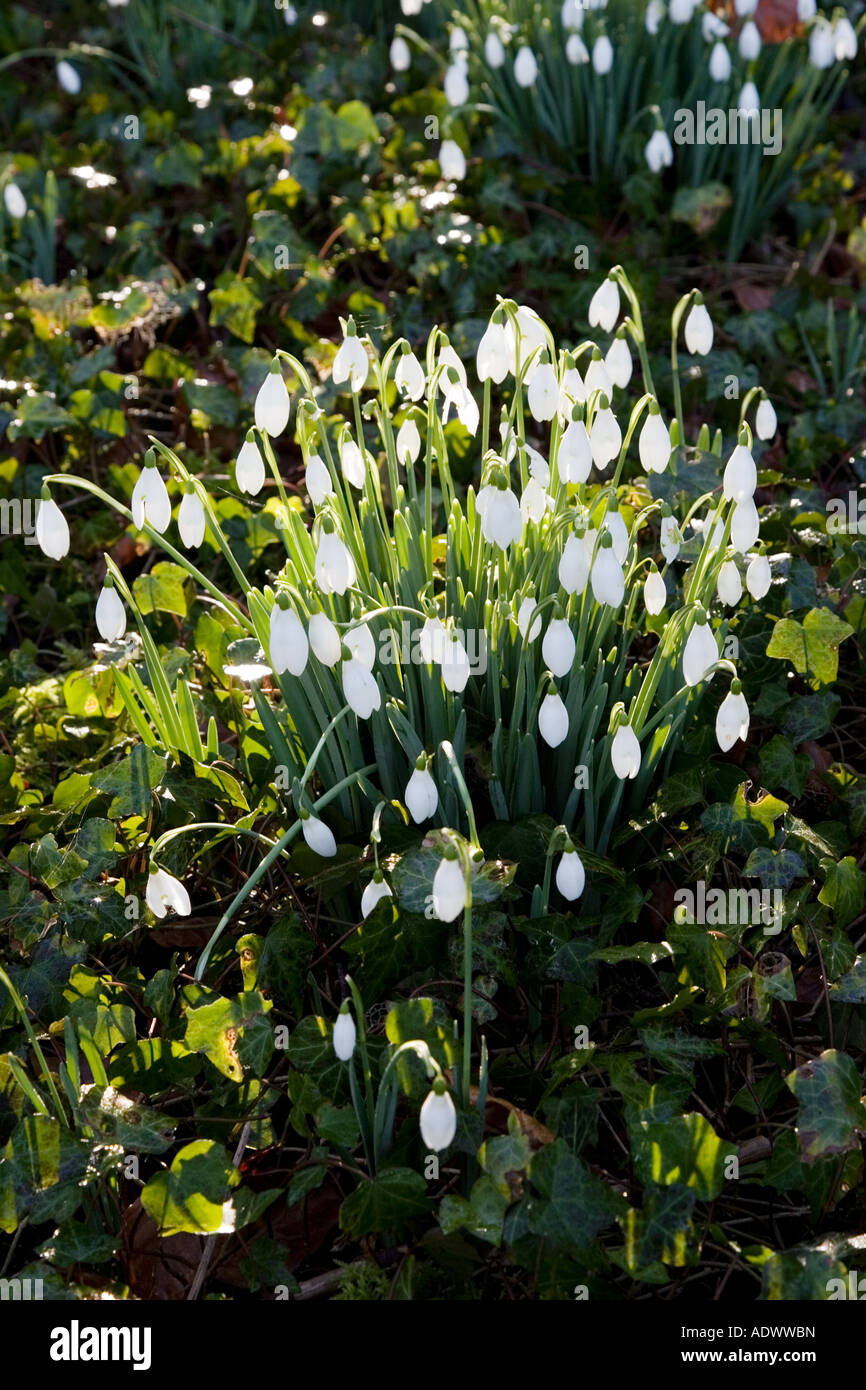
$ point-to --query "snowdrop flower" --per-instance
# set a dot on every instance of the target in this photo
(432, 641)
(531, 333)
(749, 42)
(570, 874)
(605, 437)
(499, 510)
(457, 83)
(539, 468)
(52, 531)
(149, 497)
(700, 652)
(608, 582)
(350, 364)
(574, 565)
(455, 664)
(654, 442)
(272, 403)
(525, 67)
(409, 376)
(335, 568)
(344, 1029)
(110, 613)
(376, 890)
(670, 539)
(15, 202)
(575, 453)
(625, 753)
(552, 719)
(408, 443)
(165, 893)
(361, 645)
(597, 376)
(844, 39)
(655, 594)
(401, 58)
(822, 49)
(572, 390)
(745, 7)
(618, 363)
(360, 688)
(558, 647)
(699, 330)
(289, 646)
(452, 161)
(317, 835)
(745, 526)
(729, 585)
(614, 524)
(732, 720)
(543, 392)
(766, 423)
(749, 100)
(494, 51)
(806, 10)
(654, 15)
(720, 62)
(602, 55)
(576, 50)
(758, 576)
(457, 394)
(659, 152)
(318, 480)
(191, 522)
(572, 14)
(324, 640)
(352, 463)
(421, 795)
(524, 613)
(457, 41)
(534, 501)
(438, 1119)
(494, 357)
(681, 11)
(712, 27)
(250, 467)
(449, 890)
(68, 78)
(741, 475)
(604, 306)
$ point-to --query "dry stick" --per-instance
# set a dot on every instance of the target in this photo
(207, 1253)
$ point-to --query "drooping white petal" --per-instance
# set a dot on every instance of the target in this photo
(324, 639)
(191, 520)
(319, 837)
(272, 405)
(345, 1034)
(553, 720)
(699, 330)
(360, 688)
(758, 577)
(289, 646)
(110, 615)
(608, 581)
(449, 890)
(625, 754)
(604, 306)
(699, 654)
(421, 795)
(729, 585)
(732, 721)
(655, 594)
(373, 895)
(250, 468)
(438, 1119)
(570, 875)
(558, 647)
(51, 529)
(164, 893)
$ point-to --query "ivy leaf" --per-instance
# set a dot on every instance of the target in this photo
(828, 1090)
(217, 1028)
(482, 1215)
(163, 589)
(844, 889)
(684, 1149)
(851, 989)
(782, 767)
(192, 1194)
(775, 868)
(130, 782)
(573, 1205)
(389, 1202)
(813, 646)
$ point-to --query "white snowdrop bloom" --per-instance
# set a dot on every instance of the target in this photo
(749, 99)
(494, 357)
(758, 577)
(408, 442)
(553, 720)
(822, 48)
(570, 875)
(525, 67)
(532, 336)
(165, 893)
(524, 613)
(318, 480)
(494, 50)
(655, 594)
(602, 55)
(432, 641)
(745, 526)
(543, 393)
(576, 50)
(575, 453)
(409, 376)
(352, 463)
(574, 565)
(534, 501)
(745, 7)
(14, 201)
(421, 795)
(272, 403)
(670, 539)
(699, 331)
(250, 468)
(289, 646)
(558, 647)
(501, 518)
(457, 83)
(720, 62)
(457, 40)
(806, 10)
(351, 363)
(749, 42)
(191, 520)
(700, 652)
(604, 306)
(625, 753)
(335, 568)
(598, 377)
(654, 444)
(618, 363)
(318, 836)
(361, 644)
(376, 890)
(360, 688)
(605, 438)
(411, 7)
(345, 1032)
(766, 423)
(539, 468)
(655, 12)
(729, 585)
(51, 529)
(452, 161)
(608, 581)
(68, 78)
(459, 396)
(572, 391)
(741, 475)
(455, 664)
(324, 640)
(571, 14)
(659, 152)
(449, 890)
(400, 55)
(614, 524)
(681, 11)
(732, 720)
(110, 614)
(713, 27)
(150, 499)
(438, 1119)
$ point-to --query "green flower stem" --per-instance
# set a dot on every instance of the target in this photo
(21, 1009)
(367, 1117)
